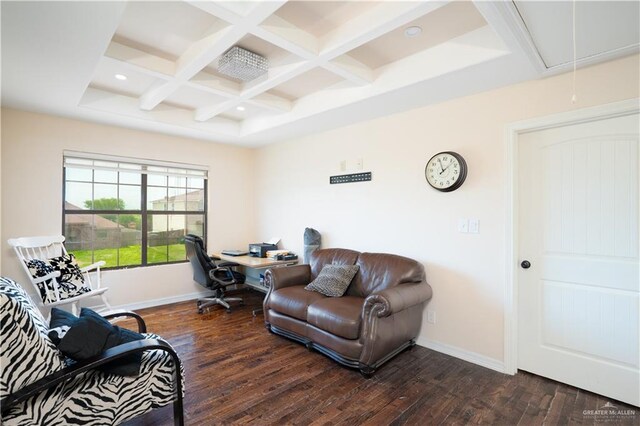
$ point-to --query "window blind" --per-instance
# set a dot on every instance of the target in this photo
(82, 160)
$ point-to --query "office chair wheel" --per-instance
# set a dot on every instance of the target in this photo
(228, 310)
(200, 310)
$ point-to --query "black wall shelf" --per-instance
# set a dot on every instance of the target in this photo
(353, 177)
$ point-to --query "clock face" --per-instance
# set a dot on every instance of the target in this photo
(446, 171)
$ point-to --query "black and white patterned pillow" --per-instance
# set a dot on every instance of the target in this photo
(70, 281)
(333, 280)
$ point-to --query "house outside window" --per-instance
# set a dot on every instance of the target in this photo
(130, 212)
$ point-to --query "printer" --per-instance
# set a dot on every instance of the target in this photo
(261, 249)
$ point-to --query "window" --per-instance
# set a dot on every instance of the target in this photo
(131, 212)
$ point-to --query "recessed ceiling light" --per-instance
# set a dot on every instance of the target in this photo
(120, 77)
(240, 108)
(412, 31)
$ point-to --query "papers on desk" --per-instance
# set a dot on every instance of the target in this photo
(271, 254)
(273, 240)
(234, 252)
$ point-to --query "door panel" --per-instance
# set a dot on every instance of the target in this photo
(578, 304)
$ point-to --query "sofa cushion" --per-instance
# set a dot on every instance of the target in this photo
(90, 335)
(26, 352)
(96, 398)
(337, 315)
(293, 301)
(319, 258)
(379, 271)
(333, 280)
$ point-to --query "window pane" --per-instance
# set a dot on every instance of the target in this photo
(157, 180)
(156, 198)
(130, 248)
(195, 225)
(177, 199)
(197, 183)
(105, 197)
(132, 178)
(195, 200)
(76, 194)
(106, 176)
(157, 238)
(177, 181)
(117, 238)
(130, 196)
(78, 236)
(84, 175)
(175, 237)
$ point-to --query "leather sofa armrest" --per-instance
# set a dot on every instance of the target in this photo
(393, 300)
(276, 278)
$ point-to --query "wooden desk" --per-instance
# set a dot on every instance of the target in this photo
(254, 264)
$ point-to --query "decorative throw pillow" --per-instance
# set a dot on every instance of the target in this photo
(333, 280)
(70, 281)
(90, 335)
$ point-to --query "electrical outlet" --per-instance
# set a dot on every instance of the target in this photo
(343, 166)
(474, 226)
(463, 226)
(358, 164)
(431, 317)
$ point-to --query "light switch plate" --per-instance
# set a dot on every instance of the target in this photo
(463, 226)
(474, 226)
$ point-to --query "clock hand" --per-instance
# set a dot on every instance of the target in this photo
(441, 168)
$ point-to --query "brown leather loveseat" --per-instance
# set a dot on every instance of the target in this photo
(378, 317)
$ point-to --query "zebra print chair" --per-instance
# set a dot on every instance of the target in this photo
(38, 386)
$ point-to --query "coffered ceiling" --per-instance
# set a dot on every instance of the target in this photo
(153, 65)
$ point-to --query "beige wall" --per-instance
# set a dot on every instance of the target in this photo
(32, 146)
(399, 213)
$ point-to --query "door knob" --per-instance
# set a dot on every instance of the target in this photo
(525, 264)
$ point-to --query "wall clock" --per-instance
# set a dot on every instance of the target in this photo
(446, 171)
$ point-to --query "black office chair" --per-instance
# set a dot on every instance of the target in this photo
(212, 275)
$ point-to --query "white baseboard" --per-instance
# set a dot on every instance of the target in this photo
(463, 354)
(162, 301)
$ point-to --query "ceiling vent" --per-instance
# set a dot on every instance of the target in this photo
(242, 64)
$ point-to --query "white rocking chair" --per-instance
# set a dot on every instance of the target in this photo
(43, 248)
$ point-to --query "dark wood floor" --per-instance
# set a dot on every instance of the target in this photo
(238, 373)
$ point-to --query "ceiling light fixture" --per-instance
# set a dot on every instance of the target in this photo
(120, 77)
(412, 31)
(240, 108)
(242, 64)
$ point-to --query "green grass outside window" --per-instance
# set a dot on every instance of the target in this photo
(131, 255)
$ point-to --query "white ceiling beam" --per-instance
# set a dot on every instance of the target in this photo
(276, 76)
(140, 61)
(506, 21)
(287, 36)
(350, 69)
(206, 50)
(382, 19)
(374, 23)
(266, 100)
(217, 9)
(217, 82)
(164, 117)
(210, 88)
(293, 39)
(271, 102)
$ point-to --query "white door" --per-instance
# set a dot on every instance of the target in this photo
(578, 229)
